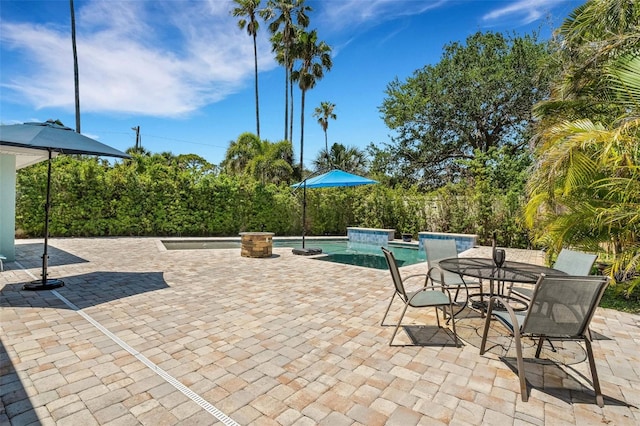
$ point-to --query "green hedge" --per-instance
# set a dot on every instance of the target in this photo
(159, 196)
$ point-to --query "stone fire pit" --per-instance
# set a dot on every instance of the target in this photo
(256, 244)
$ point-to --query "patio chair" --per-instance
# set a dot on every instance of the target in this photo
(570, 262)
(561, 308)
(436, 250)
(429, 296)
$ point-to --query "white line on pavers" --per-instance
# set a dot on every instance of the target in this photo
(146, 361)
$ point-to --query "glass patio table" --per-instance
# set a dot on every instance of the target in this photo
(486, 269)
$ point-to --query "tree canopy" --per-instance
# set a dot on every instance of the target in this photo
(350, 159)
(479, 96)
(265, 161)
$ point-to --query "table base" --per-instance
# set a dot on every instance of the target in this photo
(483, 304)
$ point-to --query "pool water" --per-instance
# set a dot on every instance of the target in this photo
(360, 254)
(337, 251)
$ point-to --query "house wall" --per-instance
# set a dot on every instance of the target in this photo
(8, 205)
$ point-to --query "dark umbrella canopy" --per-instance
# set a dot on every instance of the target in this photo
(333, 178)
(53, 138)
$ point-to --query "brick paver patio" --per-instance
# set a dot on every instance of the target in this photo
(141, 335)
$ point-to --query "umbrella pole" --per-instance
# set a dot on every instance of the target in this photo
(305, 251)
(304, 211)
(44, 283)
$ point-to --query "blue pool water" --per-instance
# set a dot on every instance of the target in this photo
(337, 251)
(360, 254)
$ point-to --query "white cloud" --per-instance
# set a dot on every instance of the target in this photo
(352, 13)
(149, 58)
(526, 11)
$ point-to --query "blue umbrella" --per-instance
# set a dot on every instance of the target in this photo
(52, 138)
(335, 177)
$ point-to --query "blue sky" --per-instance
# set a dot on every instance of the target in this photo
(183, 71)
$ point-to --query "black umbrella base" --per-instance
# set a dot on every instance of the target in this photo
(48, 284)
(307, 251)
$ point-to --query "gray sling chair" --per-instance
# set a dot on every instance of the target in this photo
(437, 249)
(561, 308)
(429, 296)
(568, 261)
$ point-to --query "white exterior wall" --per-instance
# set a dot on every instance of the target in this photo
(8, 205)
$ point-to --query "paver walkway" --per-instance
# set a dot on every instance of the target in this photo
(141, 335)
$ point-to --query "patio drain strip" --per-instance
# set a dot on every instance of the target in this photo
(146, 361)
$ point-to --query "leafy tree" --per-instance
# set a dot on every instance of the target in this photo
(324, 112)
(585, 190)
(315, 58)
(249, 9)
(350, 159)
(495, 194)
(477, 97)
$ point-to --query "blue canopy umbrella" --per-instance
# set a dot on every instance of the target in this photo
(53, 138)
(335, 177)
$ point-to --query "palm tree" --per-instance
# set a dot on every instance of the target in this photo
(261, 159)
(350, 159)
(593, 34)
(282, 57)
(239, 153)
(75, 65)
(249, 8)
(273, 163)
(324, 112)
(284, 31)
(585, 188)
(315, 58)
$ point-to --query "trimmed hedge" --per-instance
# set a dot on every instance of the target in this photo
(162, 196)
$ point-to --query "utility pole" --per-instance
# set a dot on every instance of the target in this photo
(138, 144)
(75, 65)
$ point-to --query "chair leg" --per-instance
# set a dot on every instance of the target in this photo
(594, 373)
(521, 375)
(462, 305)
(453, 325)
(398, 326)
(388, 307)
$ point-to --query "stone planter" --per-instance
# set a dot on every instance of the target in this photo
(407, 238)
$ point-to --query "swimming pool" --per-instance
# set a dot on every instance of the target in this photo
(337, 251)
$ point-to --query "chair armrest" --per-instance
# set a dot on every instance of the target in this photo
(515, 326)
(426, 277)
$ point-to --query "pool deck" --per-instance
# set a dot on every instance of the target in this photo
(146, 336)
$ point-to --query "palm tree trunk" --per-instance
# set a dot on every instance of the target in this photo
(255, 60)
(302, 133)
(75, 65)
(286, 99)
(291, 121)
